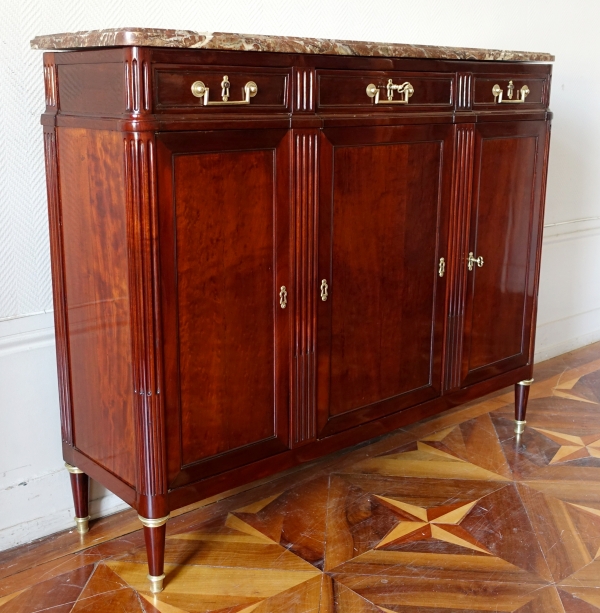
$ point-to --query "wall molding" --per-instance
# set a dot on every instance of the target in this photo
(27, 341)
(570, 230)
(26, 333)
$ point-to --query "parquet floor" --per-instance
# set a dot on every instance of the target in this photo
(454, 514)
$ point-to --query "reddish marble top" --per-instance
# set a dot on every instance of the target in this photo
(187, 39)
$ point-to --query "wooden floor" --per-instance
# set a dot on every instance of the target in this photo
(454, 514)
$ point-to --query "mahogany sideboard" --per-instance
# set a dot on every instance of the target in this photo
(267, 249)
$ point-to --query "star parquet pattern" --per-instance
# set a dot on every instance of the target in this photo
(456, 514)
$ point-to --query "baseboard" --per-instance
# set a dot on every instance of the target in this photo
(54, 492)
(551, 351)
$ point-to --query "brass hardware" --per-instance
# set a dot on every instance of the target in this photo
(73, 469)
(153, 523)
(519, 426)
(156, 583)
(442, 268)
(283, 297)
(324, 288)
(201, 91)
(405, 89)
(498, 92)
(473, 260)
(82, 524)
(225, 85)
(526, 382)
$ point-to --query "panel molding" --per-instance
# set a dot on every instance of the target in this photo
(462, 183)
(58, 284)
(464, 91)
(305, 87)
(138, 91)
(142, 214)
(50, 80)
(305, 224)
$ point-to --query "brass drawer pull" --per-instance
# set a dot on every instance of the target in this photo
(283, 297)
(324, 290)
(473, 260)
(405, 89)
(201, 91)
(442, 268)
(498, 92)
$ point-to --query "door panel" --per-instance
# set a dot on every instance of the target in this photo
(224, 206)
(504, 231)
(382, 231)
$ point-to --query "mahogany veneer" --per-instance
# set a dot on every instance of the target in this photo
(241, 288)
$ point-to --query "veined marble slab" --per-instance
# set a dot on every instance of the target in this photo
(187, 39)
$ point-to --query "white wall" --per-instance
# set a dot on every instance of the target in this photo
(34, 493)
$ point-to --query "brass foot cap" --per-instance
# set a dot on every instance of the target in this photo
(156, 583)
(82, 524)
(519, 426)
(526, 382)
(73, 469)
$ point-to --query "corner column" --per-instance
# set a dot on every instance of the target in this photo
(139, 149)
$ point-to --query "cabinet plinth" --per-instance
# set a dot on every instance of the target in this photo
(318, 251)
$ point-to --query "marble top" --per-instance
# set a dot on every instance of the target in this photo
(188, 39)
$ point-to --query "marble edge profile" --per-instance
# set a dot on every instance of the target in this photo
(188, 39)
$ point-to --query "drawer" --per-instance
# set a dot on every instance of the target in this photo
(338, 90)
(173, 89)
(509, 90)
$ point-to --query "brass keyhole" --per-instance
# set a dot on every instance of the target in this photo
(324, 288)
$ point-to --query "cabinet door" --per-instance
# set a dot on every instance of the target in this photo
(382, 231)
(224, 240)
(504, 231)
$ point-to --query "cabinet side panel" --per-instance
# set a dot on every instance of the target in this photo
(97, 296)
(92, 88)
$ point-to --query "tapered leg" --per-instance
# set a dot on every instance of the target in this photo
(154, 535)
(80, 486)
(521, 396)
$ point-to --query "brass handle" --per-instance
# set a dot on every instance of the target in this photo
(498, 93)
(405, 89)
(473, 260)
(283, 297)
(201, 91)
(442, 268)
(324, 288)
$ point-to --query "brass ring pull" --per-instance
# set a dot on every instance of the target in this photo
(498, 93)
(283, 297)
(324, 289)
(473, 260)
(405, 89)
(201, 91)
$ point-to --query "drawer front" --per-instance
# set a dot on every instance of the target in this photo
(338, 90)
(173, 89)
(509, 92)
